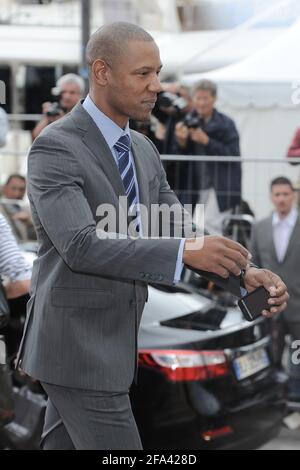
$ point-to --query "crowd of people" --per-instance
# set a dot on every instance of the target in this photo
(187, 123)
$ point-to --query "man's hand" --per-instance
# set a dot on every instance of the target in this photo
(199, 136)
(49, 119)
(160, 132)
(46, 107)
(16, 289)
(255, 278)
(218, 255)
(181, 134)
(23, 217)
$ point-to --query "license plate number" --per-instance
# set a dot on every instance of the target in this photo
(251, 363)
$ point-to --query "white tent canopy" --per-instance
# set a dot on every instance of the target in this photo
(38, 45)
(264, 79)
(192, 51)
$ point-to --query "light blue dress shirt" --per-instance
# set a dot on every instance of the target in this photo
(112, 133)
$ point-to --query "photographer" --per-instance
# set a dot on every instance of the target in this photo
(70, 88)
(172, 105)
(206, 131)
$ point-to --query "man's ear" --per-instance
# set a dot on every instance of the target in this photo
(99, 71)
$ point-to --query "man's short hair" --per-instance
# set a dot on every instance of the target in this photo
(206, 85)
(185, 87)
(109, 42)
(282, 180)
(71, 78)
(17, 176)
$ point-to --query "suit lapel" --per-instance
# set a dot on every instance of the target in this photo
(293, 238)
(95, 141)
(270, 238)
(141, 176)
(143, 184)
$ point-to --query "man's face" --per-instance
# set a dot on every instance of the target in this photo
(283, 198)
(15, 189)
(133, 83)
(70, 94)
(204, 103)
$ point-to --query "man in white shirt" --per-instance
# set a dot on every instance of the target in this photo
(276, 246)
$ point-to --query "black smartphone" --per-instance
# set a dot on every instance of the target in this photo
(254, 303)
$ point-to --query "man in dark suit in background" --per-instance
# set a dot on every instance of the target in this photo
(276, 245)
(89, 283)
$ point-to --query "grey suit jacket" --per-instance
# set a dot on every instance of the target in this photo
(264, 255)
(88, 293)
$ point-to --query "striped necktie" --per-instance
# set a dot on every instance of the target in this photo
(126, 171)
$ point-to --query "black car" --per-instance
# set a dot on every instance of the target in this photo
(206, 378)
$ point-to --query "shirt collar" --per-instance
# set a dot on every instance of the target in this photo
(108, 128)
(289, 220)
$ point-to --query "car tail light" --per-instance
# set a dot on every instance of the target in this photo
(6, 416)
(184, 365)
(213, 434)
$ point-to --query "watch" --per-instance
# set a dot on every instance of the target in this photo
(242, 281)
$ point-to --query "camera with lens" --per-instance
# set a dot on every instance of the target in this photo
(145, 127)
(55, 109)
(192, 122)
(169, 100)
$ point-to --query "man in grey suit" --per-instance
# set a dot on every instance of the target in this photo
(276, 246)
(89, 283)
